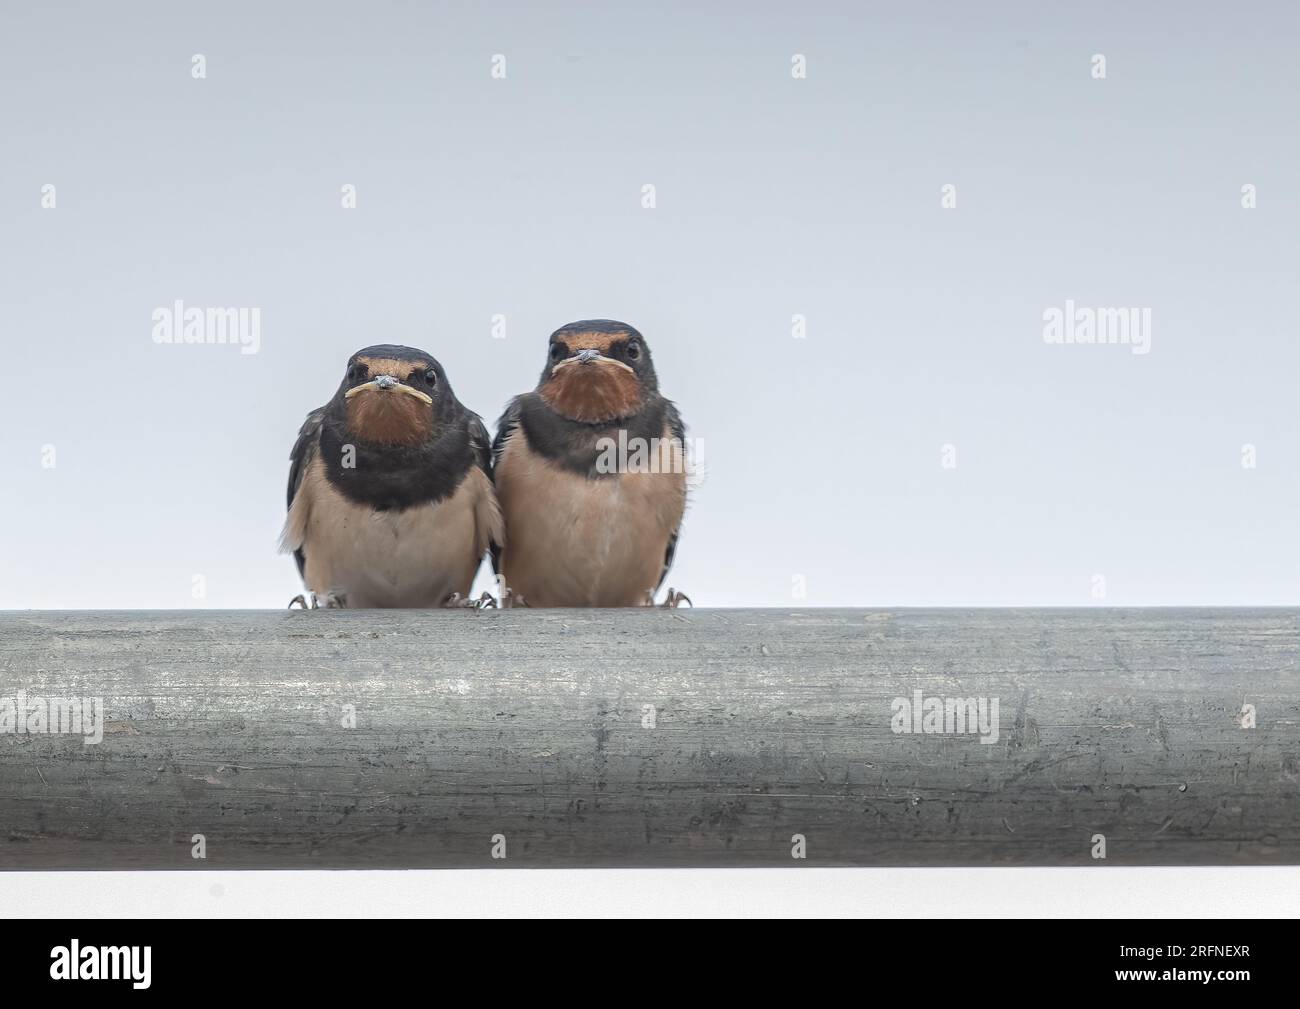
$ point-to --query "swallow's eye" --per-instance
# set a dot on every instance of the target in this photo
(557, 351)
(356, 373)
(431, 377)
(633, 350)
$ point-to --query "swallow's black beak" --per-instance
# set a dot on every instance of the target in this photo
(589, 356)
(387, 383)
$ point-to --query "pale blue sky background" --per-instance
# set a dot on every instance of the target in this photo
(776, 197)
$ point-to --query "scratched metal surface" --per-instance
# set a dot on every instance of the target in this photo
(767, 724)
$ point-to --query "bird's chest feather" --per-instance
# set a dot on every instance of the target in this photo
(578, 540)
(415, 556)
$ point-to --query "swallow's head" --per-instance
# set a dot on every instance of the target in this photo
(394, 395)
(597, 371)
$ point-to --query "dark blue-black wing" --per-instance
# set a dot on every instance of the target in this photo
(505, 428)
(677, 429)
(304, 451)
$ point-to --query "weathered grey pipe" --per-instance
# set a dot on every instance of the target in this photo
(651, 738)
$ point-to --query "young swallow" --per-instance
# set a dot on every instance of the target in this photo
(390, 491)
(590, 472)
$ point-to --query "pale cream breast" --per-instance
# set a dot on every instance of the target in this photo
(577, 541)
(417, 557)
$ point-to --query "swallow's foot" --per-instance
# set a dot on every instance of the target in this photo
(458, 602)
(510, 599)
(301, 600)
(674, 599)
(330, 601)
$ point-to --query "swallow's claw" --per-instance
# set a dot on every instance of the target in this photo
(301, 600)
(674, 599)
(458, 602)
(510, 599)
